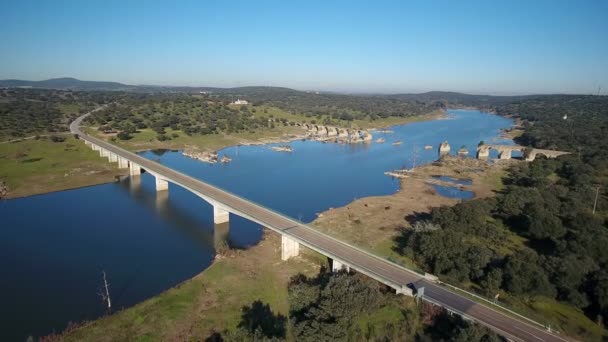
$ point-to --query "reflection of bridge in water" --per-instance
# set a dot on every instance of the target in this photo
(196, 230)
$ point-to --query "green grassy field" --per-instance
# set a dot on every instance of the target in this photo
(209, 302)
(39, 166)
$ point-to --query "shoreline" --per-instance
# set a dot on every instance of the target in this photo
(405, 190)
(373, 222)
(117, 179)
(286, 138)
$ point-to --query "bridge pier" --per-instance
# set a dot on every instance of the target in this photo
(220, 215)
(161, 184)
(123, 163)
(134, 169)
(337, 266)
(444, 149)
(505, 154)
(104, 153)
(113, 157)
(483, 153)
(289, 247)
(221, 232)
(162, 200)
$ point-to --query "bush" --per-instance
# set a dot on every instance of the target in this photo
(57, 138)
(124, 135)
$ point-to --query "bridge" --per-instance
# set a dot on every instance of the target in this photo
(342, 255)
(505, 152)
(351, 135)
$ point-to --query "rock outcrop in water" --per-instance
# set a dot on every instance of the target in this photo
(207, 157)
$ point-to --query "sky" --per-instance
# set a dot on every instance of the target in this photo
(482, 47)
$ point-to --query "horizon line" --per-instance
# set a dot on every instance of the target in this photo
(334, 91)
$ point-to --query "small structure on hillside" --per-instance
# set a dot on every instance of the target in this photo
(240, 102)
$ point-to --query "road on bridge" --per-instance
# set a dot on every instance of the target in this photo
(359, 260)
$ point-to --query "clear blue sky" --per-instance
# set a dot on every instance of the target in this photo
(499, 47)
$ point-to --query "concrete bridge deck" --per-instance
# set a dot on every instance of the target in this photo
(343, 254)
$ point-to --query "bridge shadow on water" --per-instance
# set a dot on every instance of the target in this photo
(204, 233)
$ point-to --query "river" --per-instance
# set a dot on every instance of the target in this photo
(54, 247)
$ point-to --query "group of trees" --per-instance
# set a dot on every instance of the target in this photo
(338, 106)
(549, 204)
(26, 112)
(36, 111)
(183, 112)
(211, 114)
(351, 307)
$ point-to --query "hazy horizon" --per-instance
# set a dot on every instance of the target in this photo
(512, 48)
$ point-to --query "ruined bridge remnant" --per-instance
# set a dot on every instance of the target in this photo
(444, 149)
(505, 152)
(351, 135)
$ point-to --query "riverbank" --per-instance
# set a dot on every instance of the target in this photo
(376, 224)
(145, 139)
(373, 223)
(209, 302)
(38, 166)
(388, 151)
(212, 301)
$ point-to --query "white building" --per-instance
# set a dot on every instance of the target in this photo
(240, 102)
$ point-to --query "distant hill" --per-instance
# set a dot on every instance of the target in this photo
(268, 93)
(66, 83)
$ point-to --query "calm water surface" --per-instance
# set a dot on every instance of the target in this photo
(53, 247)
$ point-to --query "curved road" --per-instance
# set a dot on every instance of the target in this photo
(378, 268)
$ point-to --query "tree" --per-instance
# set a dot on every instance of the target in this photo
(523, 276)
(57, 138)
(124, 135)
(259, 318)
(541, 224)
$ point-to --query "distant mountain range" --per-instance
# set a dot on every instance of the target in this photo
(66, 83)
(70, 83)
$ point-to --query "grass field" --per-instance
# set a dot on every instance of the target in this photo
(39, 166)
(209, 302)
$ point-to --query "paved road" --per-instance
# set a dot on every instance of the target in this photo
(359, 260)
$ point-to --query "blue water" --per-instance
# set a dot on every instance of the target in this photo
(317, 176)
(53, 247)
(453, 192)
(449, 179)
